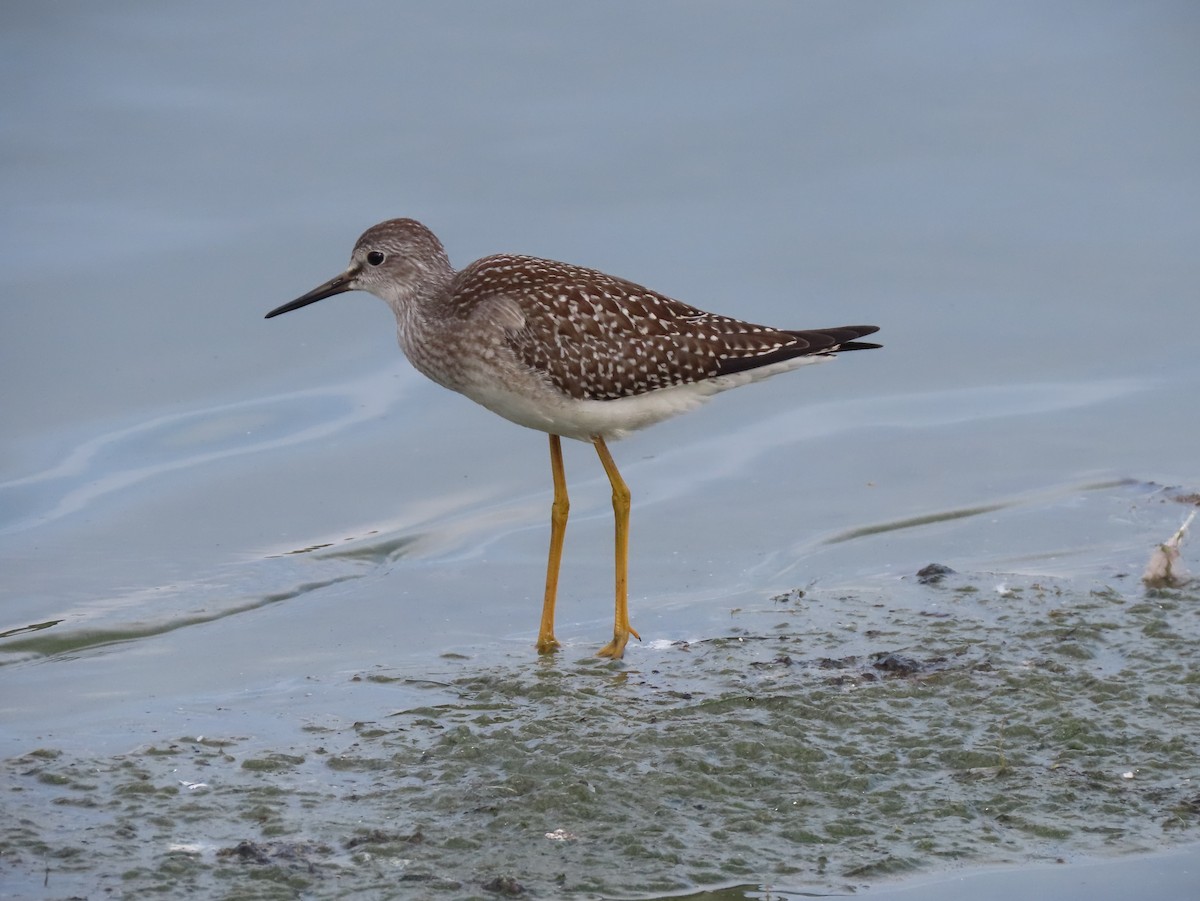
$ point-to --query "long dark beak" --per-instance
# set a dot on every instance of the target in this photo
(339, 284)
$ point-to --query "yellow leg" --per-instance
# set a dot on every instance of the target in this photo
(620, 497)
(547, 643)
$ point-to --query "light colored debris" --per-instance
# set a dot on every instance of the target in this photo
(1165, 569)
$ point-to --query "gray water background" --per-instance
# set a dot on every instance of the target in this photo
(1008, 190)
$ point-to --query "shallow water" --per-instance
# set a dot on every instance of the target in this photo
(268, 597)
(828, 739)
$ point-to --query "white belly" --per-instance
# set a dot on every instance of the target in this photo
(536, 405)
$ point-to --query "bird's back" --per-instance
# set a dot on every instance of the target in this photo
(598, 337)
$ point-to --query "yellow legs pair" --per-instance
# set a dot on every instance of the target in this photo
(547, 643)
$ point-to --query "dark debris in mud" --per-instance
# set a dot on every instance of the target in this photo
(933, 573)
(299, 855)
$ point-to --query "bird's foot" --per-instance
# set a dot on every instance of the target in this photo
(547, 644)
(615, 649)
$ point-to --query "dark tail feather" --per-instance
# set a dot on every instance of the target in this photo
(857, 345)
(813, 342)
(842, 338)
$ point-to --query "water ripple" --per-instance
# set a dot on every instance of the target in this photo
(119, 459)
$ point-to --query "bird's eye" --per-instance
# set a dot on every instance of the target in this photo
(375, 258)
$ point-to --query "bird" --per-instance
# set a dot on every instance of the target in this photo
(569, 351)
